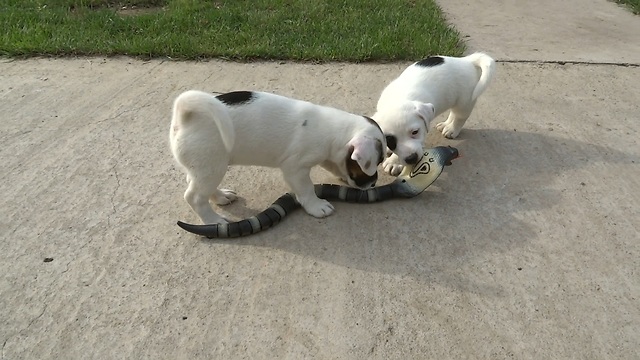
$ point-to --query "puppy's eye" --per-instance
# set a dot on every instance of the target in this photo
(415, 132)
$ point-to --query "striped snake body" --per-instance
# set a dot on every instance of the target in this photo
(411, 182)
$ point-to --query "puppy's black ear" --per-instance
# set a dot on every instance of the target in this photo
(381, 151)
(392, 142)
(425, 111)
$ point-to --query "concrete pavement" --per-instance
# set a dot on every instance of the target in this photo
(525, 248)
(591, 31)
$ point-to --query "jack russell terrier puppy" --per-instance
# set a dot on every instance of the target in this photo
(209, 133)
(423, 91)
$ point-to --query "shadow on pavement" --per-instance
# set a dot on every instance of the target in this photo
(489, 201)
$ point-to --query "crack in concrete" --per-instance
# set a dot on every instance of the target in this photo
(120, 114)
(4, 344)
(16, 167)
(131, 83)
(114, 170)
(37, 317)
(206, 80)
(570, 62)
(79, 251)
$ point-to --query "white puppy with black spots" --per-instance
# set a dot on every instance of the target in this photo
(423, 91)
(209, 133)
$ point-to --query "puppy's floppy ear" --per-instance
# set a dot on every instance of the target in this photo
(364, 153)
(425, 111)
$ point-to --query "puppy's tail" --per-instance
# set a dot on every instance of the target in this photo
(194, 106)
(487, 66)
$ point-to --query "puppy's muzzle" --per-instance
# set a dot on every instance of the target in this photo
(411, 159)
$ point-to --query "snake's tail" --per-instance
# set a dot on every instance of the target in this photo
(264, 220)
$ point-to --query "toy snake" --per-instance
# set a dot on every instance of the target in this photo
(411, 182)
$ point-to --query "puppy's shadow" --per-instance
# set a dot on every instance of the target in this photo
(477, 206)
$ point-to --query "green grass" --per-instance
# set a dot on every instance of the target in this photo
(633, 5)
(318, 30)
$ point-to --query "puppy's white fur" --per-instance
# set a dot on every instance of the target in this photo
(208, 133)
(423, 91)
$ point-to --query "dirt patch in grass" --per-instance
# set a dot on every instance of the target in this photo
(132, 4)
(124, 8)
(136, 11)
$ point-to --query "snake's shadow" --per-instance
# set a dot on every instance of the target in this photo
(476, 206)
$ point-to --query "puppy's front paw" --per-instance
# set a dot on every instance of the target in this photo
(319, 208)
(224, 196)
(392, 166)
(448, 130)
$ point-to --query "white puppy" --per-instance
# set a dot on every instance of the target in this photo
(423, 91)
(208, 133)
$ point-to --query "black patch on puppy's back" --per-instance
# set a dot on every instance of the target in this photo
(236, 97)
(431, 61)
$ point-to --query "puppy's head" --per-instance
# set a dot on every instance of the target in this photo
(365, 152)
(405, 127)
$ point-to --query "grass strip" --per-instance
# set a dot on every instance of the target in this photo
(633, 5)
(316, 30)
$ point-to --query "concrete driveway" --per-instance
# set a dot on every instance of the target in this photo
(528, 247)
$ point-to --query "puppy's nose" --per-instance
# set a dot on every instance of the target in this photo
(411, 159)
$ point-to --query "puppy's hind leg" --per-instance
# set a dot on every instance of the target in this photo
(224, 196)
(200, 204)
(221, 196)
(202, 187)
(454, 123)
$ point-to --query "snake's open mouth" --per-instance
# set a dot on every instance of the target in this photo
(455, 154)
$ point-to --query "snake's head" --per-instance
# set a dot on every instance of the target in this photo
(417, 178)
(449, 154)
